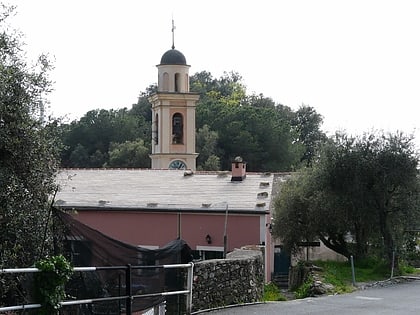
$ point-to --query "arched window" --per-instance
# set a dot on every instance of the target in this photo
(177, 83)
(165, 85)
(177, 129)
(156, 136)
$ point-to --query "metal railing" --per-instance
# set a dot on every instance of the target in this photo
(128, 297)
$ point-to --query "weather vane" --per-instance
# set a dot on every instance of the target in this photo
(173, 34)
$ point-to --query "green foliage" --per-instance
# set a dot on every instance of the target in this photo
(229, 123)
(128, 154)
(249, 126)
(293, 222)
(143, 107)
(304, 290)
(358, 198)
(54, 273)
(272, 293)
(306, 124)
(212, 163)
(29, 152)
(410, 252)
(339, 275)
(88, 141)
(206, 144)
(366, 270)
(29, 158)
(406, 269)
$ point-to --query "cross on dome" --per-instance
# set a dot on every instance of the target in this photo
(173, 34)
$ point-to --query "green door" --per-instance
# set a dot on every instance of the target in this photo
(281, 261)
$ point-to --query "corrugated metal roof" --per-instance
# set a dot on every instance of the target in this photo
(162, 189)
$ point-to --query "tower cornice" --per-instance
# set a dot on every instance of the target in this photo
(174, 96)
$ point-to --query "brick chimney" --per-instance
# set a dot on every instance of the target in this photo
(238, 170)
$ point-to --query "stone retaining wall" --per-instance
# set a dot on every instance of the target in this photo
(235, 280)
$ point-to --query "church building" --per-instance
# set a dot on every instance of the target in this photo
(173, 115)
(214, 212)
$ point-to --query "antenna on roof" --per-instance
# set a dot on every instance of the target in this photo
(173, 33)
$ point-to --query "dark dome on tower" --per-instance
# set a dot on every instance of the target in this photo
(173, 57)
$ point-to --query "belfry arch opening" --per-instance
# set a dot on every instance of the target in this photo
(156, 135)
(177, 129)
(177, 82)
(165, 83)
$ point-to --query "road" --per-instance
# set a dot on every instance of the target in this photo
(395, 299)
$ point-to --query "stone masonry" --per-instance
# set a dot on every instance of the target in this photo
(235, 280)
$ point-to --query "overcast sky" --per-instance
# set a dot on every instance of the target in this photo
(356, 62)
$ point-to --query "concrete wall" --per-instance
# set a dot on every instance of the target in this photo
(317, 253)
(235, 280)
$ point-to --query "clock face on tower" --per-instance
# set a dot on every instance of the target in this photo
(177, 165)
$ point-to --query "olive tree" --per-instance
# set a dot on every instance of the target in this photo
(29, 152)
(361, 195)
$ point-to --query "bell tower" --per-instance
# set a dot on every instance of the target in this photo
(173, 114)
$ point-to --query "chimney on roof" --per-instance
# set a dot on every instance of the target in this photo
(238, 170)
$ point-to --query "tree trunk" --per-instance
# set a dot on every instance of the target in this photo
(387, 238)
(361, 243)
(338, 246)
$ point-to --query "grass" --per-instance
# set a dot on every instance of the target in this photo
(339, 273)
(408, 270)
(272, 293)
(304, 290)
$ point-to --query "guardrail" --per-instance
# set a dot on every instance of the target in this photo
(128, 297)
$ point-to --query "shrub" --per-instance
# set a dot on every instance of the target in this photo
(54, 273)
(305, 289)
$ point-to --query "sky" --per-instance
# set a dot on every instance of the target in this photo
(356, 62)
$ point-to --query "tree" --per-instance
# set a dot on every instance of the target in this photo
(260, 101)
(227, 90)
(143, 106)
(88, 140)
(79, 157)
(129, 154)
(29, 158)
(260, 135)
(292, 222)
(206, 143)
(395, 188)
(212, 163)
(270, 137)
(253, 127)
(29, 151)
(306, 124)
(361, 194)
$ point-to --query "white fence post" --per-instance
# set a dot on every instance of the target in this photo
(190, 280)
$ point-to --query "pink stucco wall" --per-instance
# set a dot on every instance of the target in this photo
(141, 228)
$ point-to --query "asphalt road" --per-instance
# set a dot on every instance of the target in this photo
(403, 298)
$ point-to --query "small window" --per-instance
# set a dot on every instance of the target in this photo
(177, 129)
